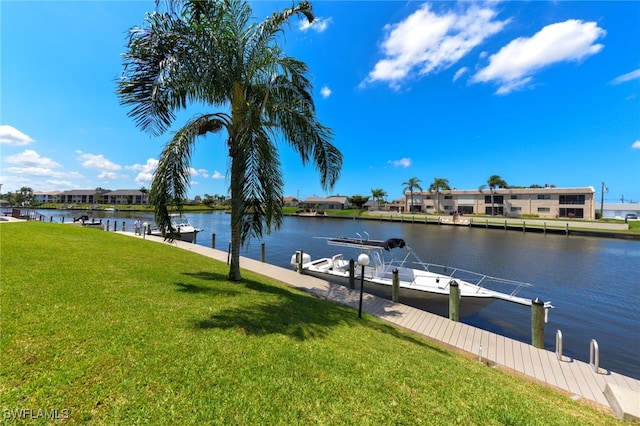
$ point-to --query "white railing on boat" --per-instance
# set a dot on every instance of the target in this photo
(482, 281)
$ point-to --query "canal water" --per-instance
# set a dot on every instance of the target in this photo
(593, 283)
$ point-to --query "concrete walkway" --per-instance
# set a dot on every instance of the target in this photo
(606, 388)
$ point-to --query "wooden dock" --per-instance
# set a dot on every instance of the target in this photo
(606, 388)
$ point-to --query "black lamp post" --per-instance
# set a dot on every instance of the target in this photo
(363, 260)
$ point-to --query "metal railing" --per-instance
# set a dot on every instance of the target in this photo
(594, 355)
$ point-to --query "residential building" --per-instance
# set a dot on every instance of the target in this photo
(330, 203)
(618, 210)
(125, 196)
(547, 202)
(90, 196)
(46, 197)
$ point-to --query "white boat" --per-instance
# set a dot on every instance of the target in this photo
(181, 226)
(421, 285)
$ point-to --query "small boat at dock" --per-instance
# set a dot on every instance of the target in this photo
(422, 285)
(181, 226)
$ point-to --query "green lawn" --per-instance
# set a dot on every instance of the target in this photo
(119, 330)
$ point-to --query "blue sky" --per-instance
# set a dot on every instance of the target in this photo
(536, 92)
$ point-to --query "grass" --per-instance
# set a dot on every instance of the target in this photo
(119, 330)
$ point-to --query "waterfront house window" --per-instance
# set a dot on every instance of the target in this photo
(572, 199)
(497, 199)
(544, 210)
(448, 197)
(544, 196)
(514, 197)
(571, 212)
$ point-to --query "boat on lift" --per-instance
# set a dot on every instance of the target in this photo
(421, 285)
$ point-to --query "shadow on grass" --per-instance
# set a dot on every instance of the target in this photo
(298, 316)
(209, 288)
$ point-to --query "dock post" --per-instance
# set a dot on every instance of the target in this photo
(107, 225)
(567, 230)
(559, 345)
(352, 274)
(395, 288)
(123, 223)
(213, 240)
(594, 355)
(262, 252)
(229, 254)
(300, 254)
(545, 228)
(454, 301)
(524, 226)
(537, 323)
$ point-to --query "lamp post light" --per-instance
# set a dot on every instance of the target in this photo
(363, 260)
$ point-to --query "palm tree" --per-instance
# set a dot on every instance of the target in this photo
(378, 196)
(493, 182)
(145, 192)
(437, 185)
(410, 185)
(213, 53)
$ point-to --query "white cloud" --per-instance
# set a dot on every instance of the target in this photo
(199, 172)
(30, 158)
(460, 73)
(145, 171)
(403, 162)
(514, 65)
(633, 75)
(42, 172)
(11, 136)
(31, 168)
(426, 42)
(318, 24)
(636, 145)
(325, 92)
(97, 162)
(217, 175)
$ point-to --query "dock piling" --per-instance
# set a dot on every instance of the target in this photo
(300, 255)
(352, 274)
(395, 285)
(537, 323)
(454, 301)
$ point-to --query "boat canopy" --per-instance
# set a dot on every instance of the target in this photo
(388, 244)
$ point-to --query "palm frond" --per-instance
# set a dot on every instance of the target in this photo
(171, 178)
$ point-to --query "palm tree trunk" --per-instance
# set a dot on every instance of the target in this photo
(237, 178)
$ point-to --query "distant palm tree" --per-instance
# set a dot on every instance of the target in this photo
(493, 182)
(437, 185)
(145, 192)
(213, 53)
(410, 185)
(378, 195)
